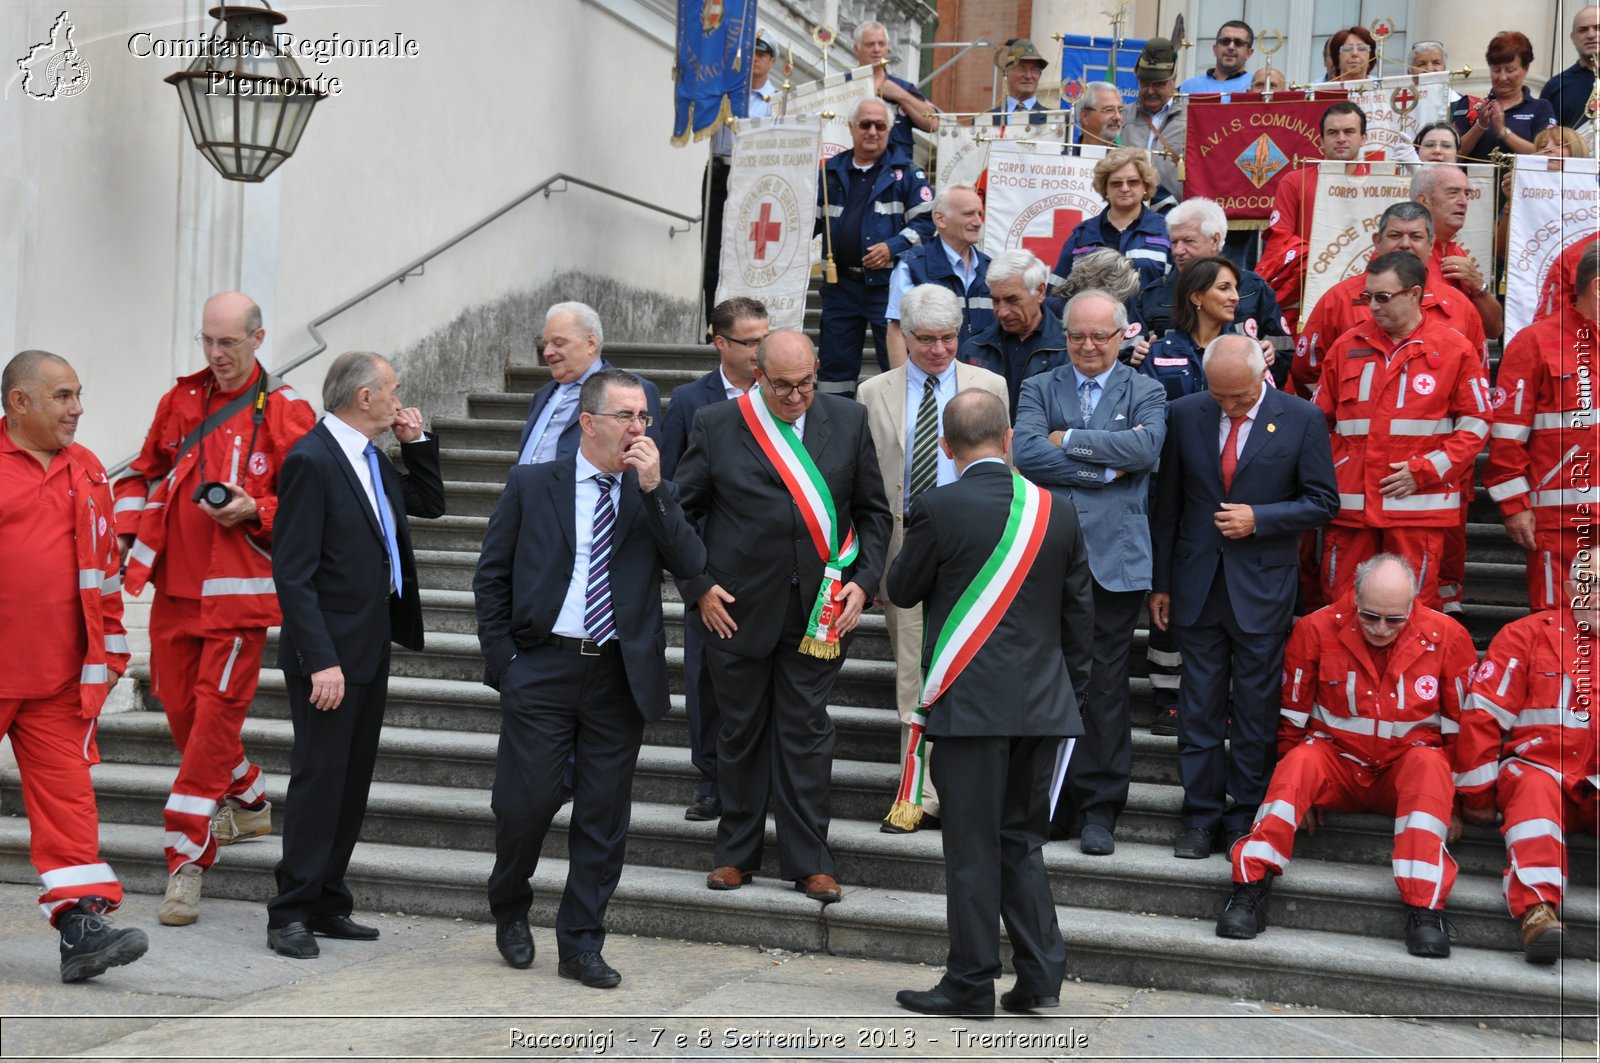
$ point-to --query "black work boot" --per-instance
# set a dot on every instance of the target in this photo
(1244, 913)
(89, 944)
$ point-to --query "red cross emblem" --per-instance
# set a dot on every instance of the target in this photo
(1403, 99)
(1423, 384)
(1048, 248)
(765, 230)
(1072, 89)
(1427, 687)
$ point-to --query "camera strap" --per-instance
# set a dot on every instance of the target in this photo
(256, 397)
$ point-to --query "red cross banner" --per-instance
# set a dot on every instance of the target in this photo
(1237, 152)
(1037, 194)
(1396, 107)
(769, 216)
(1554, 203)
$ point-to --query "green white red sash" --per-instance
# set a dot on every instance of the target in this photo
(968, 627)
(782, 446)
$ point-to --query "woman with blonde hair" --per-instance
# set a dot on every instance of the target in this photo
(1129, 225)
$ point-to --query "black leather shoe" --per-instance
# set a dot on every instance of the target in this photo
(293, 941)
(1244, 913)
(591, 970)
(515, 943)
(1230, 838)
(1193, 843)
(1427, 932)
(935, 1002)
(342, 927)
(1020, 1000)
(1095, 840)
(705, 808)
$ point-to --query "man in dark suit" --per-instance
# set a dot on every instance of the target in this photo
(572, 342)
(772, 610)
(1000, 719)
(1092, 431)
(738, 326)
(1226, 532)
(568, 594)
(347, 584)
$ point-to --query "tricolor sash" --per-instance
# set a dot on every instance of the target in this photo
(968, 627)
(800, 475)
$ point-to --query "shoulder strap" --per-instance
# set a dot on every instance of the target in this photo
(257, 397)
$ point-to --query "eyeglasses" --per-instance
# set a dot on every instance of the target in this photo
(746, 344)
(1110, 108)
(1352, 49)
(864, 126)
(1233, 42)
(1381, 298)
(624, 418)
(1133, 182)
(1369, 617)
(1099, 336)
(949, 339)
(783, 389)
(226, 346)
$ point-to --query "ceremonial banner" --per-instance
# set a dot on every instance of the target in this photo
(769, 217)
(1396, 107)
(1237, 152)
(962, 152)
(1346, 215)
(1037, 194)
(716, 41)
(1551, 209)
(838, 95)
(1086, 59)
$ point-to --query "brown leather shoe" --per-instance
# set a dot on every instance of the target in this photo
(726, 878)
(820, 888)
(1541, 934)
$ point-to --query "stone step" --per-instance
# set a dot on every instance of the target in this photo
(646, 358)
(1367, 974)
(480, 433)
(525, 380)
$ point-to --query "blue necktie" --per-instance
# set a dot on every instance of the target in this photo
(1088, 398)
(597, 619)
(385, 518)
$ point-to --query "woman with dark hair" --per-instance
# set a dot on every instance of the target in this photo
(1437, 142)
(1510, 116)
(1355, 52)
(1208, 293)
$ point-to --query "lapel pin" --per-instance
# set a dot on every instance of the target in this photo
(1272, 427)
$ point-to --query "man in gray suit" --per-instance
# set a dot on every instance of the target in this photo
(1092, 431)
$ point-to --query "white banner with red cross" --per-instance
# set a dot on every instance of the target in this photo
(1396, 107)
(769, 216)
(962, 151)
(1037, 194)
(832, 99)
(1348, 206)
(1554, 203)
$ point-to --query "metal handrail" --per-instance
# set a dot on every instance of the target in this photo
(981, 42)
(415, 265)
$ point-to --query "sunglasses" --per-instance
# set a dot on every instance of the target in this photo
(1233, 42)
(1381, 298)
(1378, 618)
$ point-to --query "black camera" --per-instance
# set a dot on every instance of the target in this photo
(214, 494)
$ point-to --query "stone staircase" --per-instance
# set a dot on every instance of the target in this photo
(1139, 917)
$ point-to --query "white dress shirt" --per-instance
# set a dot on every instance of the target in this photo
(1225, 424)
(354, 445)
(569, 621)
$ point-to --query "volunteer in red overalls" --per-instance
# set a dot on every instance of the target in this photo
(1541, 468)
(1372, 694)
(61, 626)
(195, 517)
(1527, 748)
(1408, 410)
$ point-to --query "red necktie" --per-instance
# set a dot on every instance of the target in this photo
(1230, 453)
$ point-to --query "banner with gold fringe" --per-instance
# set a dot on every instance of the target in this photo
(716, 41)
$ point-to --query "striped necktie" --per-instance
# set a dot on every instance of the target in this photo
(597, 618)
(925, 441)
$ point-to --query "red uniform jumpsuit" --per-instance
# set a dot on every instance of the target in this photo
(61, 613)
(1528, 746)
(1283, 253)
(1368, 730)
(214, 593)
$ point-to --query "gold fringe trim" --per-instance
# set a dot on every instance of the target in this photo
(1183, 169)
(904, 815)
(817, 648)
(724, 114)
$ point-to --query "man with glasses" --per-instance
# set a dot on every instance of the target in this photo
(1408, 406)
(568, 593)
(1099, 114)
(796, 526)
(873, 205)
(905, 411)
(1232, 49)
(1092, 432)
(738, 326)
(1373, 687)
(194, 516)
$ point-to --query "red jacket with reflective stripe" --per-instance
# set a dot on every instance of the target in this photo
(1561, 283)
(1532, 702)
(1426, 404)
(1332, 691)
(238, 590)
(1283, 254)
(1542, 447)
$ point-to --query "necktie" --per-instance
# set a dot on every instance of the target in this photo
(385, 518)
(1230, 453)
(546, 435)
(925, 441)
(597, 619)
(1088, 398)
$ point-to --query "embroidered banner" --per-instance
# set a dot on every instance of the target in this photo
(1086, 59)
(1037, 194)
(769, 216)
(716, 41)
(1238, 151)
(1551, 209)
(1396, 107)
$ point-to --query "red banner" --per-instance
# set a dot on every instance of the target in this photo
(1236, 152)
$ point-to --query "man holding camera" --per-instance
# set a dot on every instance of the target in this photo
(194, 516)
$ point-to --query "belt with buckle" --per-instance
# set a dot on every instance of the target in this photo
(583, 647)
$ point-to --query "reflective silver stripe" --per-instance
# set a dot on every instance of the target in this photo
(92, 673)
(1534, 828)
(1564, 419)
(1501, 430)
(1264, 852)
(1557, 467)
(1401, 728)
(1417, 869)
(1297, 718)
(1549, 717)
(1165, 681)
(1405, 426)
(1423, 502)
(1440, 462)
(980, 302)
(1483, 773)
(1153, 256)
(1541, 876)
(1505, 677)
(213, 588)
(893, 206)
(912, 237)
(179, 843)
(1477, 394)
(142, 553)
(1476, 425)
(833, 210)
(1420, 821)
(1165, 658)
(1355, 502)
(255, 792)
(227, 669)
(112, 585)
(1353, 426)
(89, 579)
(131, 504)
(1479, 703)
(1364, 389)
(1284, 810)
(1501, 492)
(241, 769)
(1340, 723)
(289, 393)
(919, 211)
(1566, 497)
(191, 805)
(77, 875)
(117, 644)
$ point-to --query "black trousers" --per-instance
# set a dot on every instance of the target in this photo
(714, 186)
(330, 773)
(1102, 761)
(776, 741)
(555, 703)
(995, 808)
(700, 699)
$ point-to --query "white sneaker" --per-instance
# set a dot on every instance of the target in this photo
(181, 906)
(233, 823)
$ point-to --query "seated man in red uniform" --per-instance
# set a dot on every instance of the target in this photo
(1443, 189)
(1527, 749)
(1372, 694)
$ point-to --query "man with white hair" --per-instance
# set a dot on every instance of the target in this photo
(905, 411)
(1099, 114)
(1026, 337)
(953, 261)
(572, 344)
(1443, 189)
(910, 107)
